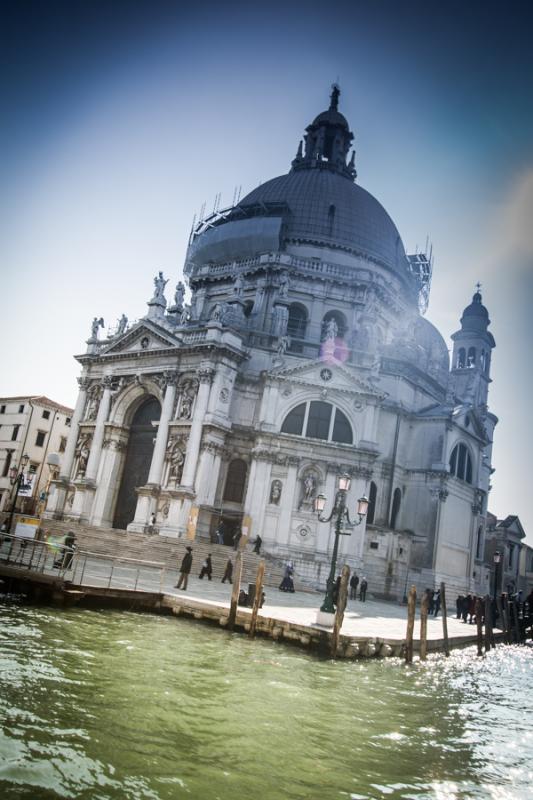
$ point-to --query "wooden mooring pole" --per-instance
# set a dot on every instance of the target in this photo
(257, 596)
(424, 609)
(488, 623)
(237, 572)
(507, 620)
(411, 611)
(444, 619)
(479, 625)
(341, 607)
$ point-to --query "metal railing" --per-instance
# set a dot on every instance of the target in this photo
(82, 567)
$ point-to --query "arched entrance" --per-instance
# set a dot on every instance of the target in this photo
(137, 461)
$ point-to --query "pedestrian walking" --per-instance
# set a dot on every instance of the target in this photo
(354, 583)
(257, 545)
(185, 570)
(228, 572)
(287, 584)
(363, 586)
(207, 569)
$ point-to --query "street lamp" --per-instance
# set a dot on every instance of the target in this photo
(16, 476)
(340, 512)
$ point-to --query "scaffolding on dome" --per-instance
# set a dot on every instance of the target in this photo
(421, 267)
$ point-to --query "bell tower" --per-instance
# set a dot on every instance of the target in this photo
(472, 351)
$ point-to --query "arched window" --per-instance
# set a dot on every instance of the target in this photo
(461, 358)
(396, 503)
(319, 421)
(235, 481)
(247, 308)
(297, 323)
(372, 497)
(461, 463)
(340, 325)
(471, 360)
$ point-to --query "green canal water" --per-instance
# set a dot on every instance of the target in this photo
(122, 705)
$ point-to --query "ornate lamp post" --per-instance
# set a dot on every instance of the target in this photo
(340, 512)
(16, 476)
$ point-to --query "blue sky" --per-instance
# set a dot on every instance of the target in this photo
(120, 119)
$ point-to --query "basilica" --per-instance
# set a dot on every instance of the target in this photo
(302, 354)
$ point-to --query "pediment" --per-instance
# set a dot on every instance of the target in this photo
(142, 337)
(331, 375)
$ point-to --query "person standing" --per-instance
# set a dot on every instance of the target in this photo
(185, 570)
(436, 603)
(362, 590)
(237, 538)
(228, 572)
(354, 583)
(69, 548)
(257, 545)
(207, 568)
(220, 533)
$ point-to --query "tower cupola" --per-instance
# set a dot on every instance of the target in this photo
(472, 351)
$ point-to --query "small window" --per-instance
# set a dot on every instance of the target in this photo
(471, 361)
(479, 543)
(461, 358)
(32, 469)
(21, 409)
(2, 409)
(396, 503)
(15, 433)
(372, 496)
(7, 463)
(374, 545)
(46, 415)
(67, 420)
(39, 439)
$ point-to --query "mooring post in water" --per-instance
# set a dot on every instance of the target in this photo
(341, 607)
(444, 619)
(479, 625)
(411, 611)
(235, 590)
(499, 612)
(516, 621)
(506, 619)
(424, 609)
(488, 618)
(257, 596)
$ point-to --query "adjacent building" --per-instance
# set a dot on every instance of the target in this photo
(35, 426)
(302, 354)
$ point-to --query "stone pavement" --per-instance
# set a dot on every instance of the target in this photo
(374, 618)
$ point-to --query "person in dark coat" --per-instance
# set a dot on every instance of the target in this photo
(466, 605)
(436, 603)
(257, 545)
(207, 569)
(354, 583)
(185, 569)
(459, 605)
(287, 584)
(362, 590)
(237, 538)
(69, 547)
(228, 572)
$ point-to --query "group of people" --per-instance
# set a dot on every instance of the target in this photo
(355, 583)
(220, 538)
(206, 569)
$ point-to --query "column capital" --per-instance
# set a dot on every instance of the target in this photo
(206, 374)
(84, 382)
(108, 381)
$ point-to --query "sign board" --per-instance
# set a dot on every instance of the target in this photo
(27, 484)
(246, 529)
(192, 522)
(26, 527)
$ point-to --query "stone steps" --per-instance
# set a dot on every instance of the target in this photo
(114, 543)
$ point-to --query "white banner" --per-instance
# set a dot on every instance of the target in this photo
(27, 485)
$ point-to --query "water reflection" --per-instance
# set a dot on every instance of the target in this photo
(109, 705)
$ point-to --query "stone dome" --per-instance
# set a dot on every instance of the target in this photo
(325, 208)
(475, 316)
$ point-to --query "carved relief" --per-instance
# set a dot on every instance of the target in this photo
(94, 395)
(83, 450)
(175, 457)
(188, 389)
(309, 483)
(275, 492)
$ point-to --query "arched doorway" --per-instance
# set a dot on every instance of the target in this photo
(137, 461)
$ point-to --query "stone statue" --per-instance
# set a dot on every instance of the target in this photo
(331, 329)
(284, 343)
(159, 293)
(284, 284)
(238, 286)
(185, 315)
(275, 492)
(308, 489)
(122, 325)
(95, 324)
(179, 296)
(83, 452)
(217, 313)
(186, 407)
(176, 461)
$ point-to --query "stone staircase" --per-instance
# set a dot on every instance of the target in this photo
(115, 543)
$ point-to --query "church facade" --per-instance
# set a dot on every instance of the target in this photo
(301, 355)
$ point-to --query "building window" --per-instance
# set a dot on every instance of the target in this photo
(67, 421)
(372, 497)
(2, 409)
(62, 444)
(235, 481)
(471, 360)
(15, 433)
(511, 556)
(21, 409)
(461, 463)
(39, 439)
(396, 503)
(319, 421)
(479, 543)
(46, 415)
(7, 463)
(32, 469)
(296, 325)
(461, 358)
(374, 545)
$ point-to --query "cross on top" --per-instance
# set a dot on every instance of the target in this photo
(478, 287)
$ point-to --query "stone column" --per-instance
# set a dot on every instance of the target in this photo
(289, 499)
(70, 450)
(205, 376)
(98, 435)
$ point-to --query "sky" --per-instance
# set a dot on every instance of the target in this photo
(120, 120)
